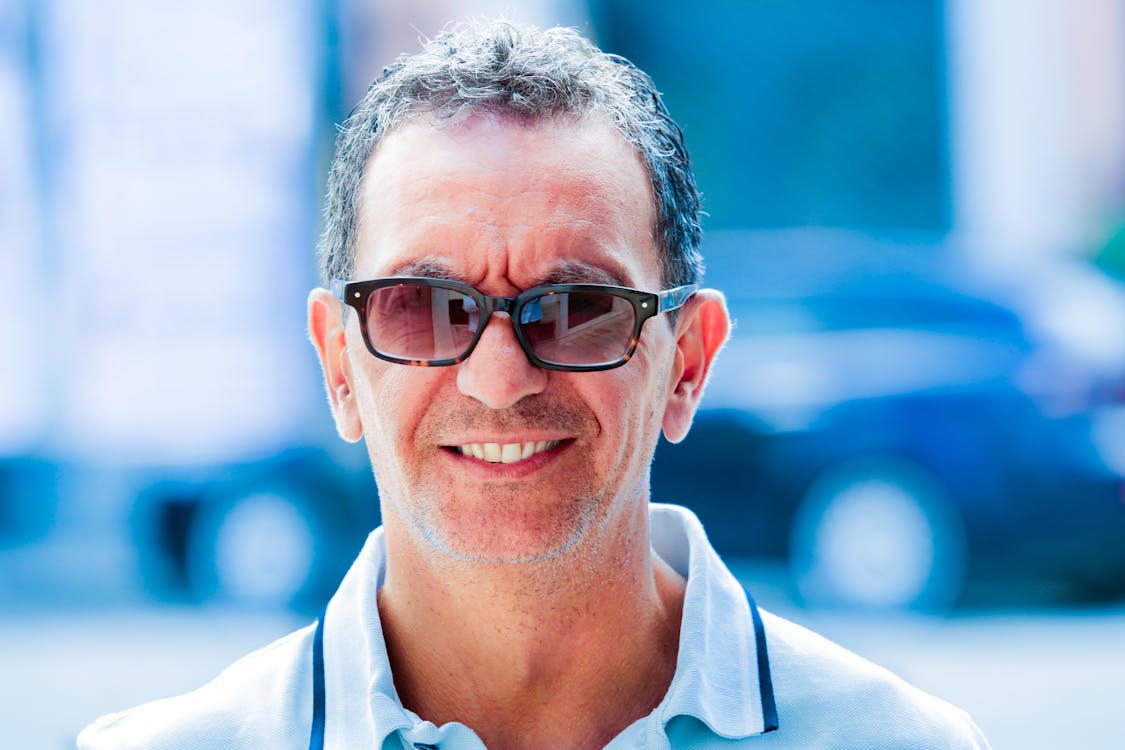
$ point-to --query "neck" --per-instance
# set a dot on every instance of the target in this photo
(554, 654)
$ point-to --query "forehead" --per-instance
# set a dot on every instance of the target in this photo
(489, 198)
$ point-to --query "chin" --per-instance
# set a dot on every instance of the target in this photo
(504, 538)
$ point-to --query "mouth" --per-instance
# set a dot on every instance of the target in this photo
(505, 453)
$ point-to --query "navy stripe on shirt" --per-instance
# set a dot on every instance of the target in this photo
(765, 679)
(316, 734)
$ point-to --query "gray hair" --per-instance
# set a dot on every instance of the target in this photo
(507, 68)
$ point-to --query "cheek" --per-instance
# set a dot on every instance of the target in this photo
(632, 408)
(651, 401)
(652, 388)
(394, 401)
(380, 384)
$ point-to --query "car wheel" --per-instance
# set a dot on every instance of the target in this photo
(254, 549)
(878, 533)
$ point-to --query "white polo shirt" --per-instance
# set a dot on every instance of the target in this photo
(800, 691)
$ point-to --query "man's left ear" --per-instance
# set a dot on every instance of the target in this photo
(701, 331)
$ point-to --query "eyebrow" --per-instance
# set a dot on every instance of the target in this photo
(427, 268)
(567, 272)
(579, 273)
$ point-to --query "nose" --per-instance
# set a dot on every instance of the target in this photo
(498, 372)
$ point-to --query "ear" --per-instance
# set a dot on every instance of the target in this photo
(701, 331)
(326, 329)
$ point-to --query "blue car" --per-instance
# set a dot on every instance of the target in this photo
(894, 424)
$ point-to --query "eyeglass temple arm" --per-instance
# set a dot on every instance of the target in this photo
(336, 286)
(671, 299)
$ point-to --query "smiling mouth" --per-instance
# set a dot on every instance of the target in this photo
(505, 453)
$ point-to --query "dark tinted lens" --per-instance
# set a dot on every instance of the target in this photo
(415, 321)
(579, 328)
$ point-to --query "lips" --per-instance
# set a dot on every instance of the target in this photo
(505, 453)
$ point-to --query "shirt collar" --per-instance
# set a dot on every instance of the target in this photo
(717, 678)
(362, 704)
(720, 678)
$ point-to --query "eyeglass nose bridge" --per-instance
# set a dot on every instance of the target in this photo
(507, 305)
(491, 305)
(530, 311)
(498, 304)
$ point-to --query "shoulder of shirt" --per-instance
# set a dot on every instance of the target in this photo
(828, 696)
(262, 700)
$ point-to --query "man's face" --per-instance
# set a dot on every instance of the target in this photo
(506, 206)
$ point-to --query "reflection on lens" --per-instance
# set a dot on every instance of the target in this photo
(414, 321)
(586, 328)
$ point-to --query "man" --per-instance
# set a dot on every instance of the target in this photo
(511, 238)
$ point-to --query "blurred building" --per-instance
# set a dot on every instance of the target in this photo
(1001, 123)
(1037, 126)
(165, 200)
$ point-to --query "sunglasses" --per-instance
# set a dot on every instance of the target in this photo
(568, 327)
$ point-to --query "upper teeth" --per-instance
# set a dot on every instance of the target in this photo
(506, 453)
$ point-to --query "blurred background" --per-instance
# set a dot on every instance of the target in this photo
(914, 443)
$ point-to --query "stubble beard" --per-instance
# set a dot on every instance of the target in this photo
(561, 534)
(559, 537)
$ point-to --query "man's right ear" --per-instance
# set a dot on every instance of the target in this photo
(326, 329)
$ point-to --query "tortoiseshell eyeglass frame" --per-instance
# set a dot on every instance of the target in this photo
(645, 305)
